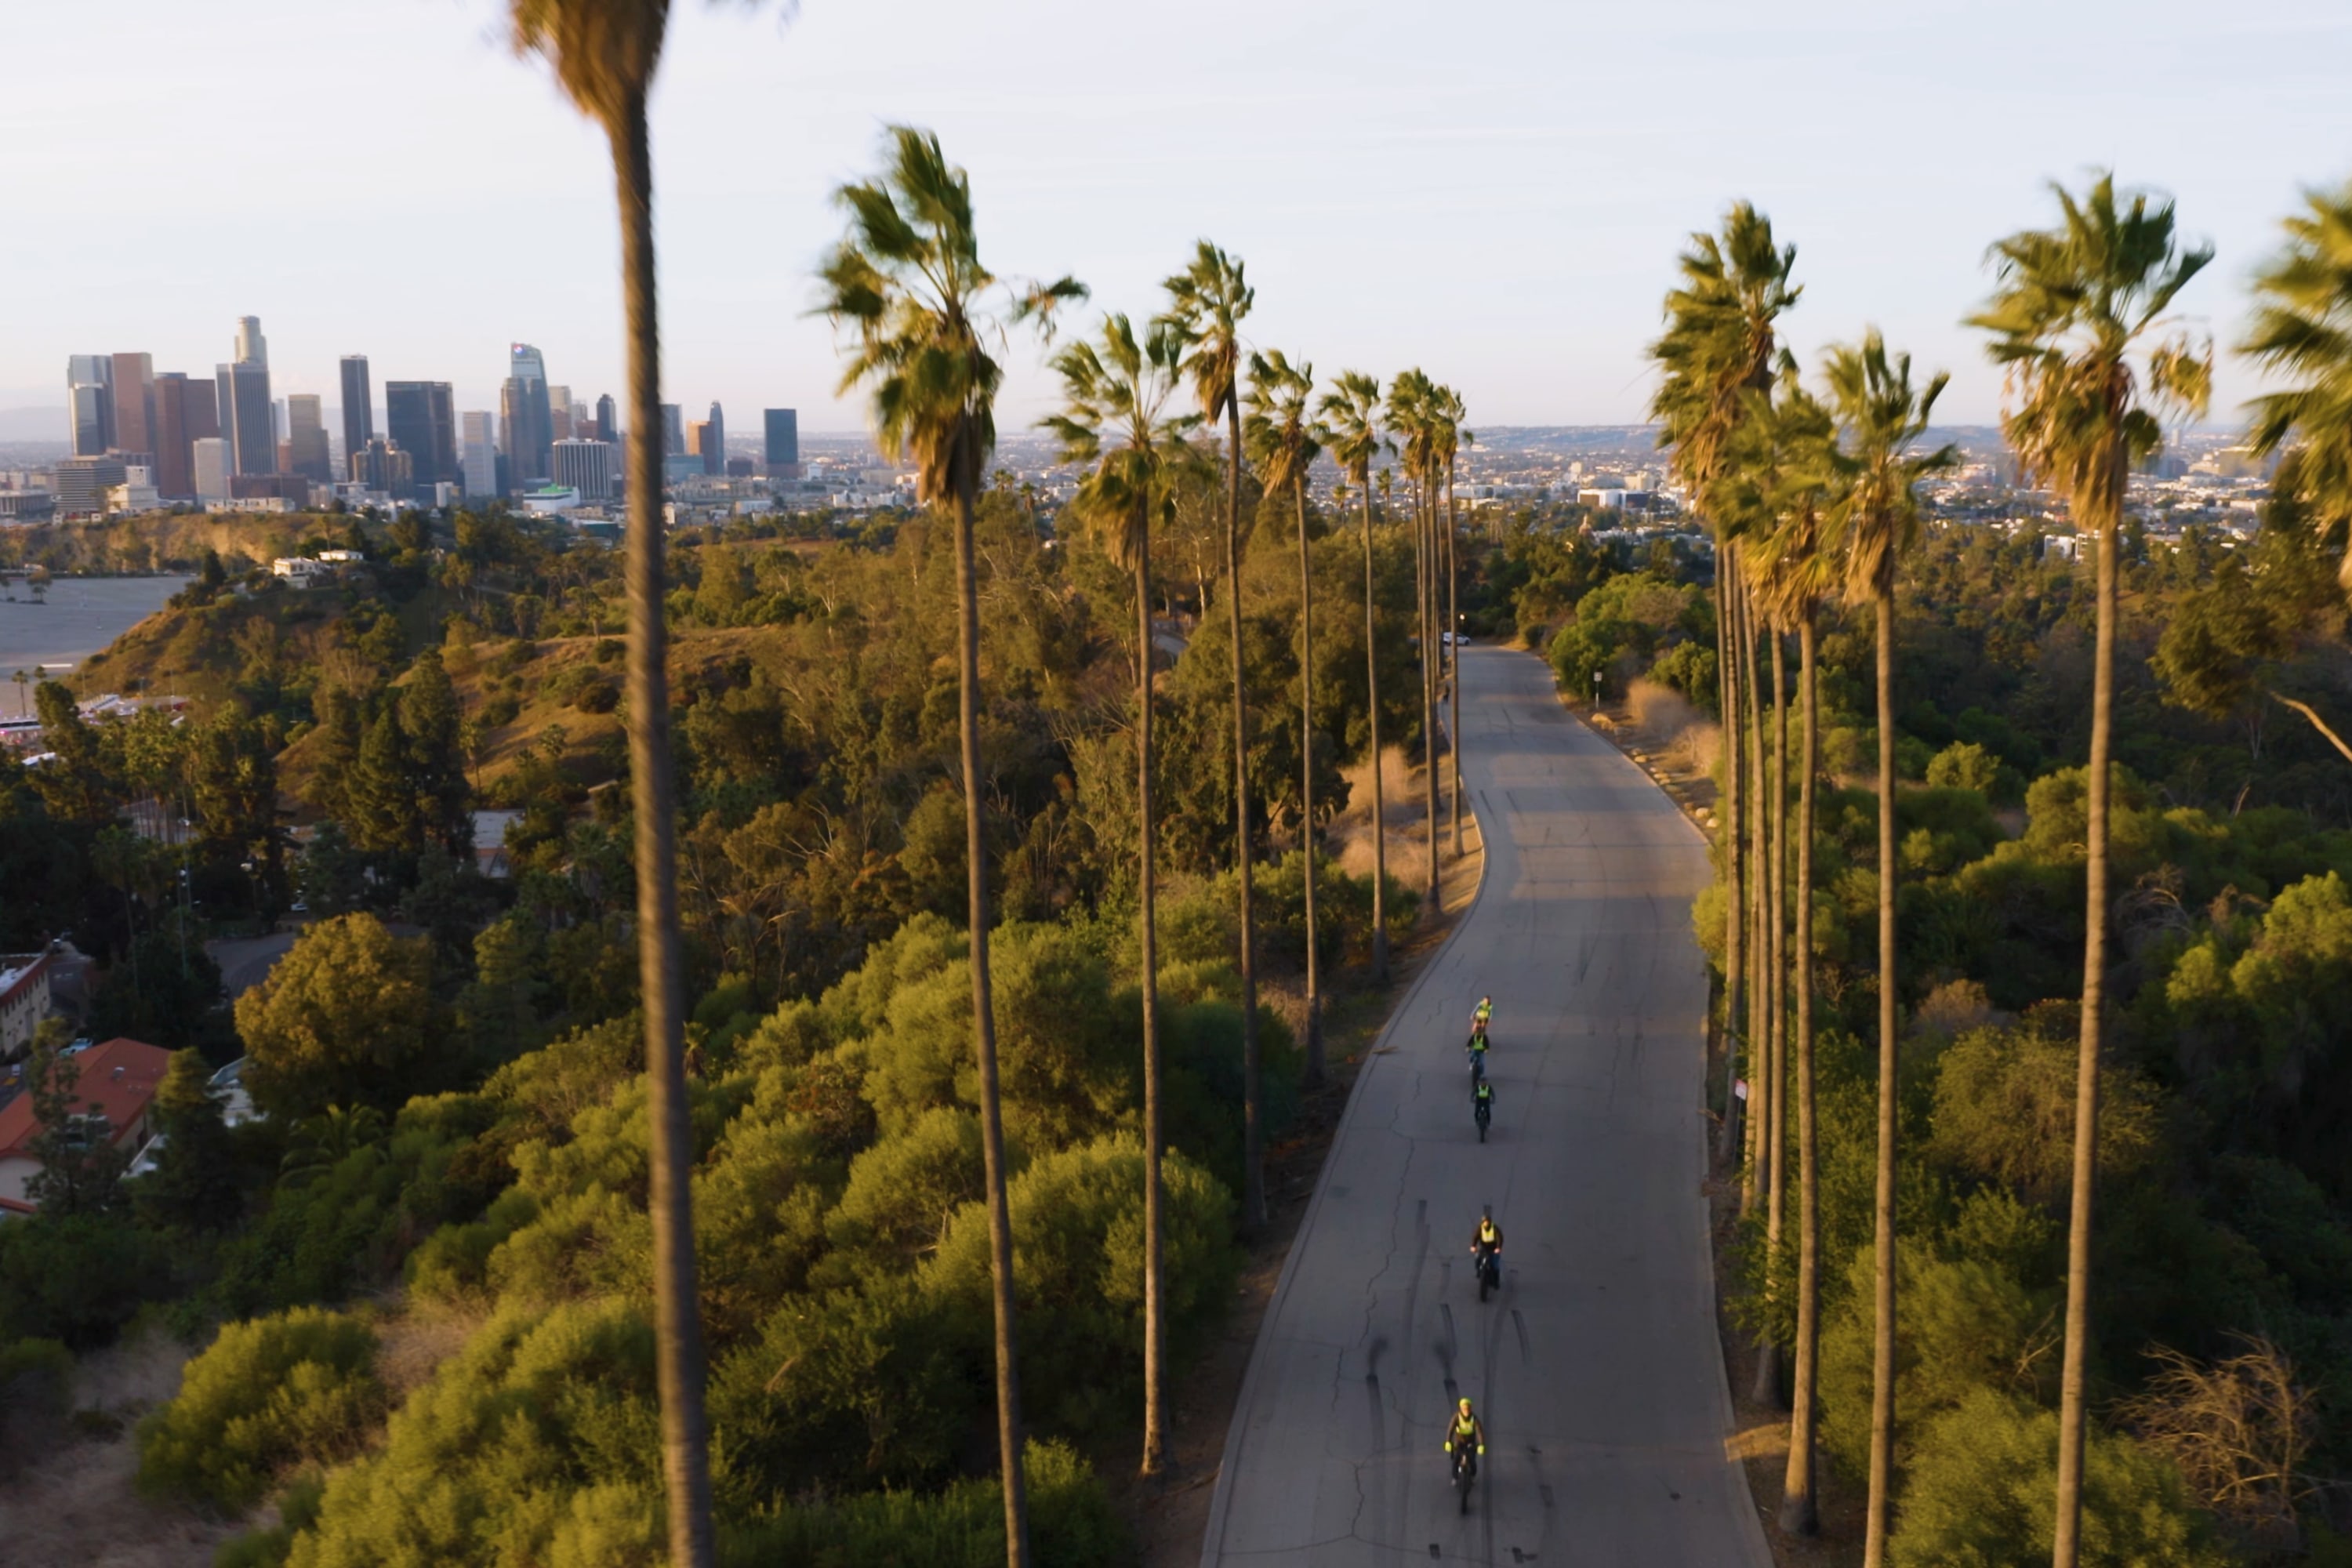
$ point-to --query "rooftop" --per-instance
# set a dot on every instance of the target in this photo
(117, 1079)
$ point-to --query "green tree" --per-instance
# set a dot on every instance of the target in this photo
(379, 796)
(1412, 414)
(908, 279)
(73, 784)
(1115, 420)
(1350, 413)
(345, 1019)
(194, 1185)
(2071, 321)
(1210, 299)
(1880, 415)
(80, 1166)
(431, 723)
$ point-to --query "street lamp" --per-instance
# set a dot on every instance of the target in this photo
(1596, 689)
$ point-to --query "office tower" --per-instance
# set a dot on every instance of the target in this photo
(306, 439)
(208, 464)
(479, 466)
(247, 422)
(421, 418)
(174, 476)
(523, 414)
(714, 449)
(82, 483)
(783, 446)
(382, 465)
(358, 405)
(559, 414)
(673, 430)
(585, 466)
(134, 403)
(252, 348)
(608, 422)
(90, 402)
(697, 442)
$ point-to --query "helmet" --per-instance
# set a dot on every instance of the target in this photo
(1466, 1405)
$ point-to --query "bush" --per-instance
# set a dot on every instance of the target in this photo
(77, 1279)
(270, 1394)
(1983, 1493)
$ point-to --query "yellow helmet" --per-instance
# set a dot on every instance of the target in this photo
(1466, 1405)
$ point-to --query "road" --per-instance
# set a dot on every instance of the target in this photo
(1597, 1370)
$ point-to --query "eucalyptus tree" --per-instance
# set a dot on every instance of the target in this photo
(1115, 419)
(1209, 299)
(604, 54)
(1719, 346)
(1796, 569)
(1284, 440)
(2077, 321)
(1876, 519)
(1351, 414)
(1412, 414)
(907, 281)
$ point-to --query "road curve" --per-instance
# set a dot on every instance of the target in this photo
(1597, 1370)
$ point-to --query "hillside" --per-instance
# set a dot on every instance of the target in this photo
(163, 542)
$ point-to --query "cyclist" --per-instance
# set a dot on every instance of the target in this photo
(1482, 1105)
(1465, 1437)
(1477, 1053)
(1482, 1015)
(1486, 1245)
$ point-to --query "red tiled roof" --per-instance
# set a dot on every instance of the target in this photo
(118, 1079)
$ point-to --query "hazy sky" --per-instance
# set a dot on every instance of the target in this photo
(1491, 189)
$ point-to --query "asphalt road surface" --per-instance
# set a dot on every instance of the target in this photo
(1597, 1370)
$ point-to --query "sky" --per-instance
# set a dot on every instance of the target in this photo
(1492, 190)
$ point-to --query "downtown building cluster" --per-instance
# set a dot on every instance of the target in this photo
(142, 439)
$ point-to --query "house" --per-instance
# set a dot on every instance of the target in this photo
(23, 999)
(114, 1089)
(301, 570)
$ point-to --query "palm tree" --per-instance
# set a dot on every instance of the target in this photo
(1798, 571)
(2070, 323)
(1209, 299)
(1876, 519)
(907, 277)
(1452, 437)
(1352, 411)
(1720, 341)
(1115, 419)
(1283, 440)
(605, 53)
(1412, 414)
(2302, 333)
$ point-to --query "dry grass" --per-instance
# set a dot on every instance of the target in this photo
(1349, 839)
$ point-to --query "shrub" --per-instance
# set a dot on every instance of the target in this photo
(76, 1279)
(270, 1394)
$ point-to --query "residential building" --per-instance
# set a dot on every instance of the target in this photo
(208, 467)
(480, 463)
(421, 418)
(114, 1087)
(713, 446)
(24, 1000)
(247, 422)
(585, 466)
(82, 483)
(358, 405)
(608, 422)
(306, 439)
(783, 444)
(90, 402)
(134, 403)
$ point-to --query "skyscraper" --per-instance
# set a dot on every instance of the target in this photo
(247, 419)
(784, 448)
(482, 459)
(608, 422)
(252, 348)
(209, 461)
(359, 410)
(673, 430)
(382, 465)
(306, 439)
(559, 414)
(524, 414)
(175, 475)
(90, 402)
(714, 442)
(421, 418)
(134, 404)
(585, 466)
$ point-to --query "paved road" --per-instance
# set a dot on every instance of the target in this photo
(1597, 1370)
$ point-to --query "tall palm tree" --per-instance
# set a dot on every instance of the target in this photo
(1115, 419)
(908, 279)
(1351, 412)
(1282, 439)
(1209, 299)
(2302, 333)
(2072, 321)
(605, 53)
(1796, 570)
(1877, 521)
(1412, 415)
(1719, 346)
(1452, 436)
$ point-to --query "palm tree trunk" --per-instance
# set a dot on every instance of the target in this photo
(1453, 661)
(1426, 528)
(1372, 713)
(1799, 1510)
(1735, 913)
(1253, 1106)
(984, 1017)
(677, 1321)
(1763, 833)
(1776, 1066)
(1155, 1311)
(1306, 785)
(1882, 1344)
(2068, 1544)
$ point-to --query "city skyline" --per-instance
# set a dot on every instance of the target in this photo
(1499, 200)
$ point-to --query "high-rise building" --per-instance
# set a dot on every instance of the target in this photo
(81, 484)
(247, 422)
(480, 463)
(306, 439)
(90, 402)
(585, 466)
(174, 477)
(421, 418)
(134, 403)
(608, 422)
(559, 414)
(523, 414)
(697, 442)
(672, 431)
(784, 444)
(714, 446)
(358, 405)
(252, 348)
(208, 464)
(383, 466)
